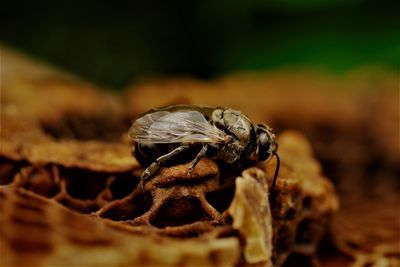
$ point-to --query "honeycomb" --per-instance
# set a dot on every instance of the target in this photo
(71, 194)
(102, 180)
(37, 231)
(210, 206)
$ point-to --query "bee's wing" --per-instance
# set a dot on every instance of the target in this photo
(175, 127)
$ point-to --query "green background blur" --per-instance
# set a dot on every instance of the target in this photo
(115, 43)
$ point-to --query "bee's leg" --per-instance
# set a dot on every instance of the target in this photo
(155, 166)
(201, 154)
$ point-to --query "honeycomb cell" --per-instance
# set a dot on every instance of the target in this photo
(84, 185)
(8, 169)
(180, 211)
(43, 181)
(128, 208)
(221, 199)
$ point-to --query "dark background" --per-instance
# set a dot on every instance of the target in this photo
(115, 43)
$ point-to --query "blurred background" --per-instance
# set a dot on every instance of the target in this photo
(115, 43)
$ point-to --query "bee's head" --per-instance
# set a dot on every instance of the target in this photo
(266, 144)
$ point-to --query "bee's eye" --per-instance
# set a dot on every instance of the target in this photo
(263, 152)
(264, 146)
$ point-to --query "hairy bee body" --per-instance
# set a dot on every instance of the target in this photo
(177, 133)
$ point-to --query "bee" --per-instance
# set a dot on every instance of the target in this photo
(178, 132)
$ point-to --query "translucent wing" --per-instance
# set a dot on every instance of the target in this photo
(175, 127)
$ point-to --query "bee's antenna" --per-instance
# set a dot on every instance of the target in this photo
(278, 164)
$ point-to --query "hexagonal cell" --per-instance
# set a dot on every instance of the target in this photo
(221, 199)
(83, 184)
(180, 211)
(8, 169)
(128, 208)
(123, 184)
(41, 180)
